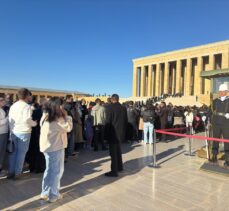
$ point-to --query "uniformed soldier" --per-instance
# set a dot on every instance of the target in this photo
(220, 123)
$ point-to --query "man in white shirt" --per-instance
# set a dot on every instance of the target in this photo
(21, 123)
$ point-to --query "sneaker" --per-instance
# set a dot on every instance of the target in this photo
(3, 173)
(44, 197)
(56, 199)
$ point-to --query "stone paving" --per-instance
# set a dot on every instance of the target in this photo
(177, 184)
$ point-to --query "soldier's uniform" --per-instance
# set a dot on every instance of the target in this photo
(220, 126)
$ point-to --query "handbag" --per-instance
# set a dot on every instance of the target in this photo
(10, 146)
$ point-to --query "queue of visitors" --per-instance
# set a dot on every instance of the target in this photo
(43, 135)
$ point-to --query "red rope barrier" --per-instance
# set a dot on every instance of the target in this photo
(191, 136)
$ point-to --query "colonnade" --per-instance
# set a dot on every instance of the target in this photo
(176, 76)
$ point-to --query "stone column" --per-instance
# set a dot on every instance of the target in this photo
(135, 81)
(153, 76)
(146, 81)
(160, 80)
(178, 76)
(225, 60)
(157, 87)
(166, 77)
(211, 65)
(174, 81)
(149, 81)
(187, 77)
(198, 81)
(142, 94)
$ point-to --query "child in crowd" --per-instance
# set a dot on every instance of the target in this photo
(88, 130)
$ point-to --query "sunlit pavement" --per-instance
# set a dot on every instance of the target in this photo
(177, 183)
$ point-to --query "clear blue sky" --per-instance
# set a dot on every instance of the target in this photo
(88, 45)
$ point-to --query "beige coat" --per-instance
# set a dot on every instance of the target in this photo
(141, 124)
(53, 135)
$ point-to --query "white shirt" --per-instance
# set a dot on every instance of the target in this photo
(53, 135)
(20, 118)
(223, 98)
(4, 122)
(188, 118)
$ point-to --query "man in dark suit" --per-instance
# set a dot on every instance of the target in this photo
(163, 115)
(116, 123)
(132, 128)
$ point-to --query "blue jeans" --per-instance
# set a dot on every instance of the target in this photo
(17, 157)
(148, 127)
(53, 173)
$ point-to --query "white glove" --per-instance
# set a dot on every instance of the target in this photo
(227, 115)
(204, 118)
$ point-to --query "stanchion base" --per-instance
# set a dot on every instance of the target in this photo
(154, 166)
(214, 168)
(188, 154)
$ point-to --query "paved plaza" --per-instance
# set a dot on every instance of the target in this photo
(177, 184)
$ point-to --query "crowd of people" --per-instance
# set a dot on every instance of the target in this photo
(43, 135)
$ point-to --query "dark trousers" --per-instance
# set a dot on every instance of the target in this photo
(132, 131)
(163, 136)
(116, 158)
(99, 136)
(71, 145)
(218, 132)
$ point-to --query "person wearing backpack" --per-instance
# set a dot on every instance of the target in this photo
(148, 116)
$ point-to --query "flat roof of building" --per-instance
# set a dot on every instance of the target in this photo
(43, 90)
(225, 42)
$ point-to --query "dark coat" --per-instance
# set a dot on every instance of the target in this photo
(34, 157)
(69, 108)
(163, 114)
(148, 116)
(132, 115)
(116, 123)
(220, 107)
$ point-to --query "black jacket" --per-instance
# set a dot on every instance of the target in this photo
(148, 116)
(69, 108)
(219, 106)
(132, 115)
(116, 123)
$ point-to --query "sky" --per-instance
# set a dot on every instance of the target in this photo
(88, 45)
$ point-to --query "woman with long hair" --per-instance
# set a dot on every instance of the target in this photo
(55, 124)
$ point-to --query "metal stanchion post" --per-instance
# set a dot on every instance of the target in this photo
(207, 147)
(154, 149)
(206, 135)
(190, 144)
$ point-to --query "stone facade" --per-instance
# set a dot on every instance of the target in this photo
(179, 71)
(41, 93)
